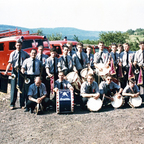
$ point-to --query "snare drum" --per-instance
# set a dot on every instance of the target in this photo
(85, 72)
(117, 102)
(74, 79)
(64, 101)
(105, 71)
(135, 101)
(93, 104)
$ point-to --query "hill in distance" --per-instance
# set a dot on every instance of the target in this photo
(65, 31)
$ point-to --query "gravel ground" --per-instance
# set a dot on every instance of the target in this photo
(108, 126)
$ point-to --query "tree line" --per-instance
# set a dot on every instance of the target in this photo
(107, 37)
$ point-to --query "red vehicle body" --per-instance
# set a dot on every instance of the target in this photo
(8, 39)
(7, 44)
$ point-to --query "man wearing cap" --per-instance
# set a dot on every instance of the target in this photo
(131, 90)
(16, 60)
(32, 68)
(37, 95)
(65, 62)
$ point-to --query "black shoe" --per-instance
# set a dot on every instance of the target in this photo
(27, 110)
(32, 111)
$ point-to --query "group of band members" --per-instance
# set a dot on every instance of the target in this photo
(39, 68)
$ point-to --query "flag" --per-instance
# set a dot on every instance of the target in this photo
(140, 78)
(130, 73)
(112, 71)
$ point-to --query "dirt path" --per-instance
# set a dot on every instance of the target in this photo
(109, 126)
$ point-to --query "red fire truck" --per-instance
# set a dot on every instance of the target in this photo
(7, 44)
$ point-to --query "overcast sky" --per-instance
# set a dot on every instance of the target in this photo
(95, 15)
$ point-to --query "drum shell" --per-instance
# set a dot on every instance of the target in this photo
(65, 101)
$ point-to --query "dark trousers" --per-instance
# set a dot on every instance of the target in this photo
(26, 87)
(125, 78)
(14, 91)
(45, 103)
(84, 102)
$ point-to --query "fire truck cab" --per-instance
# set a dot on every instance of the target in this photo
(7, 44)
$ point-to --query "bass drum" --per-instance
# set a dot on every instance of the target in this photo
(64, 101)
(75, 80)
(93, 104)
(85, 72)
(135, 101)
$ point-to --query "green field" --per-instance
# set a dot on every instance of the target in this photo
(133, 38)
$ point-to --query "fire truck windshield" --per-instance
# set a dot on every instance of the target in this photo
(28, 44)
(33, 43)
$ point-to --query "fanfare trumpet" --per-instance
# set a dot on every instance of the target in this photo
(13, 76)
(27, 80)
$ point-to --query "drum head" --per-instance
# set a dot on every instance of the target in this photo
(93, 104)
(85, 72)
(70, 77)
(117, 102)
(136, 101)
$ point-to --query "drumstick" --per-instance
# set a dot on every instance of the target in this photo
(88, 95)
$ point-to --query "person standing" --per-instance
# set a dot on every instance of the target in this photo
(65, 62)
(42, 57)
(101, 60)
(16, 60)
(127, 59)
(32, 68)
(80, 59)
(71, 51)
(51, 69)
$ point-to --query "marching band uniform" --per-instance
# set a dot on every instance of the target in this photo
(127, 58)
(42, 58)
(127, 89)
(88, 89)
(139, 59)
(91, 60)
(108, 90)
(80, 61)
(37, 92)
(62, 85)
(51, 64)
(101, 57)
(71, 53)
(115, 57)
(16, 59)
(65, 63)
(32, 69)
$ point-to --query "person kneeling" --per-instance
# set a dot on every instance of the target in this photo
(108, 89)
(131, 90)
(89, 89)
(37, 95)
